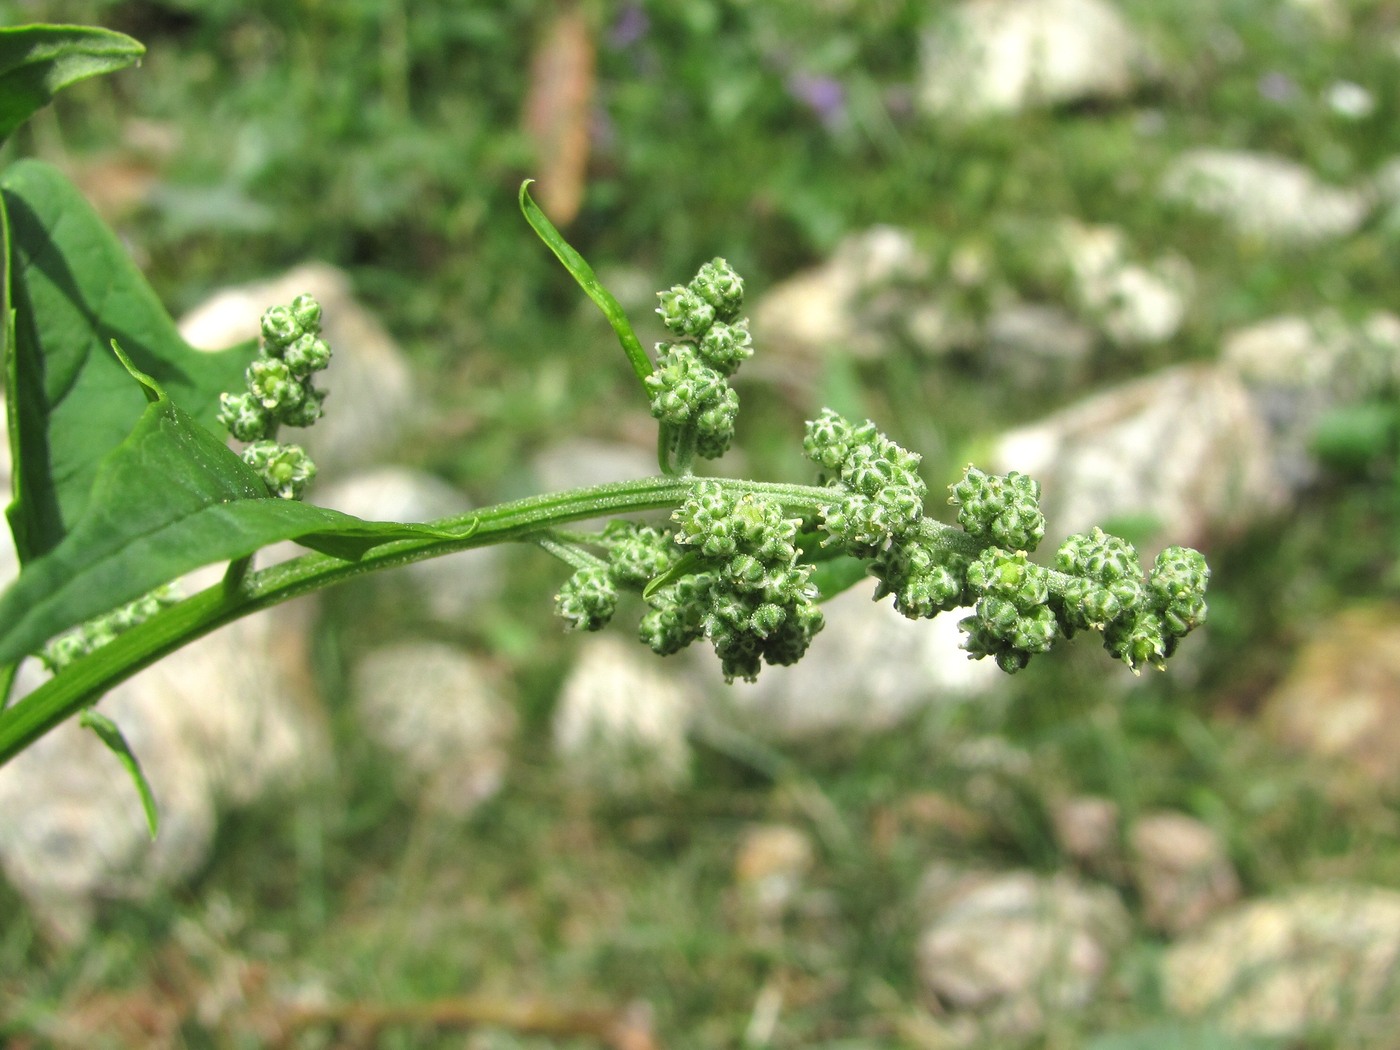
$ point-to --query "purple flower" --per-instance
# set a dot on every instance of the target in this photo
(1278, 87)
(632, 24)
(825, 96)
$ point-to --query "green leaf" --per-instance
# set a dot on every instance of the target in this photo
(108, 732)
(74, 289)
(170, 499)
(588, 281)
(38, 61)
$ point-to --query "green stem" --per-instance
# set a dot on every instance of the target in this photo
(87, 679)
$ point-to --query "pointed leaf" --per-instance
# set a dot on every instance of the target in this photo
(38, 61)
(588, 281)
(71, 403)
(170, 499)
(108, 732)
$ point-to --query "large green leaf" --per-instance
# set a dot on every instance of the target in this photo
(38, 61)
(167, 500)
(74, 290)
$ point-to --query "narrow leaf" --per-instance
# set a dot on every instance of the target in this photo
(170, 499)
(38, 61)
(74, 289)
(108, 732)
(588, 281)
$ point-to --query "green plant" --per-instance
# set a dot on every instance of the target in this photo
(121, 484)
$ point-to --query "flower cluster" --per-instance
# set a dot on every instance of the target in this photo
(728, 572)
(759, 602)
(280, 391)
(737, 567)
(1019, 608)
(880, 495)
(100, 630)
(689, 388)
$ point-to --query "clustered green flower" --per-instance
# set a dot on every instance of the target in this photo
(737, 569)
(689, 388)
(280, 391)
(1019, 608)
(97, 632)
(737, 581)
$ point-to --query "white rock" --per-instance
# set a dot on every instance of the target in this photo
(851, 303)
(868, 670)
(1298, 368)
(1017, 948)
(1185, 448)
(1264, 196)
(1181, 870)
(1317, 957)
(770, 865)
(447, 590)
(370, 398)
(1135, 304)
(227, 720)
(1033, 344)
(1002, 56)
(621, 720)
(434, 709)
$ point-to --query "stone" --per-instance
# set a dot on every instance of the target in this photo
(1087, 831)
(1134, 304)
(1339, 702)
(1316, 958)
(231, 719)
(867, 671)
(1181, 870)
(770, 865)
(436, 712)
(1184, 451)
(1035, 344)
(1264, 196)
(1004, 56)
(1298, 368)
(1015, 948)
(859, 301)
(370, 400)
(621, 720)
(451, 589)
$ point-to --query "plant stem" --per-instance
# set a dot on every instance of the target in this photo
(85, 680)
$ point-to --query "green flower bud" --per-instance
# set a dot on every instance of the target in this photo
(1177, 586)
(244, 417)
(683, 386)
(638, 553)
(306, 354)
(587, 600)
(279, 327)
(1003, 510)
(271, 382)
(725, 347)
(306, 311)
(307, 411)
(1099, 556)
(714, 425)
(684, 313)
(1010, 576)
(719, 286)
(1137, 640)
(828, 439)
(285, 469)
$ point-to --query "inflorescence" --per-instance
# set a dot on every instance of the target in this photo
(736, 566)
(280, 391)
(689, 390)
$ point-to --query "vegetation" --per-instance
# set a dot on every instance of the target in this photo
(404, 169)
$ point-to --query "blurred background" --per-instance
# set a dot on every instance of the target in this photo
(1146, 252)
